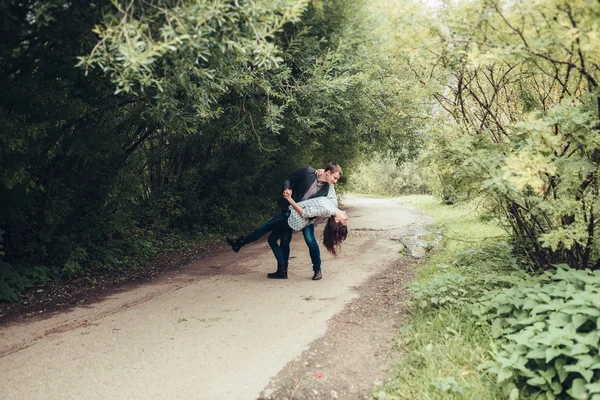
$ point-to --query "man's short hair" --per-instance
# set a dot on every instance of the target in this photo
(333, 167)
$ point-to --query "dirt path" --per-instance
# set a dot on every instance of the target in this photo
(218, 329)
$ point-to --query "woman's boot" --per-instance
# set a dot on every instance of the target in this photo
(235, 244)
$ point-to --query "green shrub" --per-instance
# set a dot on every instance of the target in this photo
(382, 175)
(450, 289)
(473, 273)
(498, 256)
(12, 283)
(550, 326)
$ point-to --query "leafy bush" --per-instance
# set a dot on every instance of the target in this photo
(12, 284)
(383, 176)
(496, 256)
(450, 289)
(531, 151)
(551, 328)
(477, 271)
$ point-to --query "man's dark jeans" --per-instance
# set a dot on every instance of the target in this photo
(311, 242)
(281, 232)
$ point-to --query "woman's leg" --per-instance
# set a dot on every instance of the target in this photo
(313, 246)
(277, 223)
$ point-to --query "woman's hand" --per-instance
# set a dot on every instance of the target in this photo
(295, 206)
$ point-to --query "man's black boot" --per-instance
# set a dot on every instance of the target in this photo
(281, 272)
(235, 244)
(317, 275)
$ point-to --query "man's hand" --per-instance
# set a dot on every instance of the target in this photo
(319, 172)
(288, 196)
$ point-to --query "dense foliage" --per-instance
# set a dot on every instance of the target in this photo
(545, 327)
(384, 176)
(552, 335)
(511, 89)
(129, 125)
(516, 120)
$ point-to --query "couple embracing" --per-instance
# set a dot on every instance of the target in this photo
(308, 196)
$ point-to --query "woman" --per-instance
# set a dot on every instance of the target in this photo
(298, 216)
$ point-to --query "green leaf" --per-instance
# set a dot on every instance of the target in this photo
(593, 387)
(594, 312)
(504, 309)
(560, 369)
(537, 353)
(504, 374)
(529, 304)
(548, 374)
(540, 326)
(595, 366)
(551, 353)
(544, 297)
(577, 349)
(550, 395)
(559, 319)
(586, 373)
(537, 381)
(577, 320)
(556, 387)
(590, 339)
(523, 338)
(543, 308)
(586, 361)
(578, 390)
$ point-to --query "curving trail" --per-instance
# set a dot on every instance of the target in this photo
(217, 328)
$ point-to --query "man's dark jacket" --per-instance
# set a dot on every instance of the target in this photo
(299, 182)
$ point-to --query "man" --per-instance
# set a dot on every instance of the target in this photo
(304, 184)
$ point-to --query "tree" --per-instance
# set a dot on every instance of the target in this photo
(130, 123)
(519, 82)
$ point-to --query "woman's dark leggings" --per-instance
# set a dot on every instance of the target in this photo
(280, 230)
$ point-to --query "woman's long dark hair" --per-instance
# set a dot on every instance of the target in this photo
(333, 236)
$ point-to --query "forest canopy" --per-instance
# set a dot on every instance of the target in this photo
(133, 125)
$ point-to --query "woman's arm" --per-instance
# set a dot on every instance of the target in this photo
(316, 207)
(295, 206)
(332, 196)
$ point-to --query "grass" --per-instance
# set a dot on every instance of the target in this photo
(460, 226)
(441, 349)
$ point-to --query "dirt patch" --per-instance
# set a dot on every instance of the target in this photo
(357, 350)
(63, 295)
